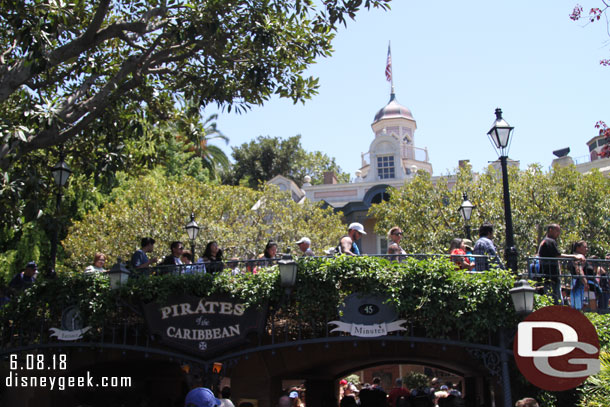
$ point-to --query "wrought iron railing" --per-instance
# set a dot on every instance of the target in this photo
(254, 265)
(561, 279)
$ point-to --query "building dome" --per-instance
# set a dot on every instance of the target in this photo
(393, 110)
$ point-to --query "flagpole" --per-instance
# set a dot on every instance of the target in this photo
(392, 77)
(388, 71)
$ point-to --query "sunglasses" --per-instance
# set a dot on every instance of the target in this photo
(397, 234)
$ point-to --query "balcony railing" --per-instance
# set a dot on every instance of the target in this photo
(560, 278)
(254, 265)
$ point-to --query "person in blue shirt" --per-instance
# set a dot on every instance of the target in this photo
(486, 247)
(25, 279)
(348, 244)
(140, 259)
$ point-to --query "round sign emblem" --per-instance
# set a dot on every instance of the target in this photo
(556, 348)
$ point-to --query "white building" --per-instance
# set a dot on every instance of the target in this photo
(391, 160)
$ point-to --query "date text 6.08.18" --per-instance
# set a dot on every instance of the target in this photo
(38, 362)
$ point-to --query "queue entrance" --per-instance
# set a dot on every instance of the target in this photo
(319, 366)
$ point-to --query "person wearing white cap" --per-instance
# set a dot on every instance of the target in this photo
(347, 244)
(305, 244)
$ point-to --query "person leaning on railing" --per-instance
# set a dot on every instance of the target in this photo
(583, 274)
(550, 268)
(604, 285)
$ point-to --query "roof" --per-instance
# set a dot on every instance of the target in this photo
(393, 110)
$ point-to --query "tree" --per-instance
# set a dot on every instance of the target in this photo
(427, 211)
(63, 64)
(196, 135)
(156, 206)
(265, 157)
(595, 14)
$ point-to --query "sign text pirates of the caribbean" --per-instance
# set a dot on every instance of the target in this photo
(202, 325)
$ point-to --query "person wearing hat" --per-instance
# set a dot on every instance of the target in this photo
(201, 397)
(295, 401)
(349, 396)
(305, 245)
(347, 244)
(25, 279)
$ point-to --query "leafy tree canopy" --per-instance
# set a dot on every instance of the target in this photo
(159, 207)
(65, 64)
(428, 212)
(595, 14)
(265, 157)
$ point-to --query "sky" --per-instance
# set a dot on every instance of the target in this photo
(454, 63)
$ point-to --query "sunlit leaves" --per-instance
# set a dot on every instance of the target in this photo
(428, 212)
(158, 207)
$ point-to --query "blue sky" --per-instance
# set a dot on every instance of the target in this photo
(453, 64)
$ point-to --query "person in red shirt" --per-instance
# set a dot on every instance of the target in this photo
(396, 392)
(456, 249)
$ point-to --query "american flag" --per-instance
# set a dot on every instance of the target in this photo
(388, 66)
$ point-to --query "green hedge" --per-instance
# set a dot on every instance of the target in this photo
(429, 293)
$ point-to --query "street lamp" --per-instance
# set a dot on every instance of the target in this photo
(466, 211)
(192, 229)
(500, 136)
(288, 273)
(523, 297)
(118, 275)
(61, 172)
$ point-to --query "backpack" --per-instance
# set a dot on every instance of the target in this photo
(535, 268)
(402, 401)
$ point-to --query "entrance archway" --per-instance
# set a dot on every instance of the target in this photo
(321, 364)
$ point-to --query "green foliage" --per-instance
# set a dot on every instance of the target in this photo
(416, 380)
(354, 379)
(262, 159)
(596, 390)
(427, 210)
(422, 291)
(158, 207)
(64, 65)
(456, 302)
(602, 326)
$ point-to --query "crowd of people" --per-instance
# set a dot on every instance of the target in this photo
(588, 276)
(374, 395)
(350, 395)
(589, 286)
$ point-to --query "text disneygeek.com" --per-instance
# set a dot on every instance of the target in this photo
(66, 382)
(27, 370)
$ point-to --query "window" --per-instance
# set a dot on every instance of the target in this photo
(385, 166)
(382, 245)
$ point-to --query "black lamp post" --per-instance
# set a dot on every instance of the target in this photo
(500, 136)
(288, 273)
(61, 172)
(192, 229)
(523, 297)
(466, 211)
(118, 275)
